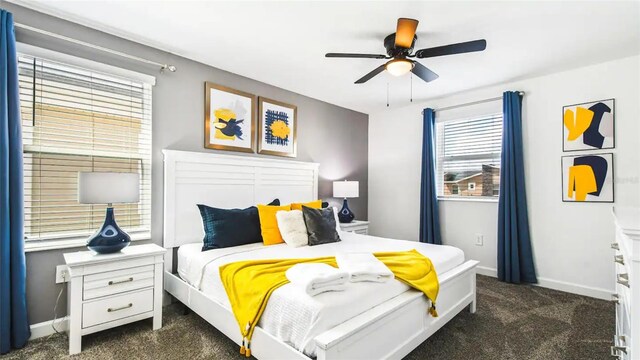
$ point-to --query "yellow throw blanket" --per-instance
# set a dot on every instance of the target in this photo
(249, 284)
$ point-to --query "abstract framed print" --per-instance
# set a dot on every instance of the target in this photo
(229, 119)
(589, 126)
(277, 127)
(587, 178)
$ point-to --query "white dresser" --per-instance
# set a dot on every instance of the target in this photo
(627, 296)
(110, 290)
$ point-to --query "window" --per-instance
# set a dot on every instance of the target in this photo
(79, 120)
(468, 156)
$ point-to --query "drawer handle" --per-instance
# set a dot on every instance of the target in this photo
(619, 259)
(120, 308)
(615, 298)
(112, 282)
(623, 279)
(615, 246)
(616, 349)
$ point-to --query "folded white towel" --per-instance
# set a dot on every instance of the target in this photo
(317, 278)
(364, 267)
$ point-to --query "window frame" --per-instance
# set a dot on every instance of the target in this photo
(458, 197)
(70, 240)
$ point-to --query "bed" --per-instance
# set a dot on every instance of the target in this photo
(340, 325)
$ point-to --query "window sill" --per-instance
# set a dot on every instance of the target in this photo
(44, 245)
(468, 199)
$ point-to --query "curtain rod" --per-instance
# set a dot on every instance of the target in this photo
(471, 103)
(97, 47)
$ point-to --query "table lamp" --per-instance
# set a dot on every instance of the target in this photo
(345, 189)
(108, 188)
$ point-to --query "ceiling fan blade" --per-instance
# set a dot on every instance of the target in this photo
(405, 31)
(370, 75)
(423, 72)
(348, 55)
(459, 48)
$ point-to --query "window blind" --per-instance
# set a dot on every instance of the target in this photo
(80, 120)
(468, 156)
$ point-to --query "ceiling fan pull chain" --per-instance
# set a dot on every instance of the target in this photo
(411, 88)
(387, 94)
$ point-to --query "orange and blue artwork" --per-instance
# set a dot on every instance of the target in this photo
(277, 129)
(587, 178)
(229, 119)
(589, 126)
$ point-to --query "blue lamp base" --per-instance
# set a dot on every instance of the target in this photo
(345, 215)
(110, 238)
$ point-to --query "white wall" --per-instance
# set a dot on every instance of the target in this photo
(571, 241)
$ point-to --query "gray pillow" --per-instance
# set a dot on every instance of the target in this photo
(321, 225)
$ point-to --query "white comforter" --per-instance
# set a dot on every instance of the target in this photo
(291, 315)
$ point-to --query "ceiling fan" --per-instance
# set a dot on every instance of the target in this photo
(399, 46)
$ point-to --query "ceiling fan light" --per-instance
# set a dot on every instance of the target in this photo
(399, 67)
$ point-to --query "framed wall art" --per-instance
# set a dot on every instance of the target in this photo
(587, 178)
(589, 126)
(229, 121)
(277, 127)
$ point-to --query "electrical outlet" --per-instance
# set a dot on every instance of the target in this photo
(479, 239)
(62, 274)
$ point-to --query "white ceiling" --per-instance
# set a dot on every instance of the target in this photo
(283, 43)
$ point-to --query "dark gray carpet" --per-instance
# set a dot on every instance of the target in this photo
(512, 322)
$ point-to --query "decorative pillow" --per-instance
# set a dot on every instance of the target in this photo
(312, 204)
(336, 219)
(275, 202)
(269, 223)
(321, 225)
(292, 228)
(229, 227)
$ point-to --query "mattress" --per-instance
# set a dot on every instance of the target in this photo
(291, 315)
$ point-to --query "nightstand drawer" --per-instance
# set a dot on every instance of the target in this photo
(356, 226)
(116, 307)
(115, 282)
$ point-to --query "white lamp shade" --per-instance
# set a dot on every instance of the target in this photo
(346, 189)
(108, 187)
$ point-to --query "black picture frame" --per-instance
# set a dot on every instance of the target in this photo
(613, 114)
(610, 171)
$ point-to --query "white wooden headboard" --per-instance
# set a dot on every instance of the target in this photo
(226, 181)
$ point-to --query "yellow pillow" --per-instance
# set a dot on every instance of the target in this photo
(269, 223)
(312, 204)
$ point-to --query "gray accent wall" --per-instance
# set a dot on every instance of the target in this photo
(330, 135)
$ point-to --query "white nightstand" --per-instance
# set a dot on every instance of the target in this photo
(110, 290)
(356, 226)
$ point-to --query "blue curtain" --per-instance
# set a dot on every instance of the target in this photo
(14, 325)
(515, 259)
(429, 218)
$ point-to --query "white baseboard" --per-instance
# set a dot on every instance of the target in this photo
(589, 291)
(487, 271)
(45, 329)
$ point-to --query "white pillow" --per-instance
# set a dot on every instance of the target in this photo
(335, 216)
(292, 228)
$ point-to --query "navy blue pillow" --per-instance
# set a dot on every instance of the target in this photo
(230, 227)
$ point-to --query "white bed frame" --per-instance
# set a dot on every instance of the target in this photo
(388, 331)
